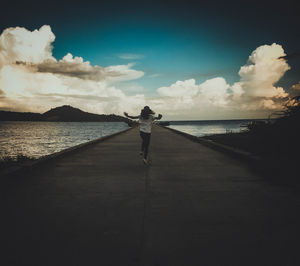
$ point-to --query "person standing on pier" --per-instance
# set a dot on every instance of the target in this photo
(146, 119)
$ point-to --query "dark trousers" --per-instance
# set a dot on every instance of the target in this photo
(145, 142)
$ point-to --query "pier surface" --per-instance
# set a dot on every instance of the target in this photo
(191, 206)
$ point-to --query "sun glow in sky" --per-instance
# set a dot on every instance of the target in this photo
(185, 59)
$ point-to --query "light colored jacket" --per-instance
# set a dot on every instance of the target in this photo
(146, 124)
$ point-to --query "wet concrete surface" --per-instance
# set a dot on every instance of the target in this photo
(190, 206)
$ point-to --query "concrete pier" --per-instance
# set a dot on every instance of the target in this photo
(191, 206)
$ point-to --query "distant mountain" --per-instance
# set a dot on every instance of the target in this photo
(63, 113)
(68, 113)
(18, 116)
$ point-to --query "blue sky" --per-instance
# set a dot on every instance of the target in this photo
(169, 41)
(177, 38)
(189, 41)
(169, 54)
(164, 54)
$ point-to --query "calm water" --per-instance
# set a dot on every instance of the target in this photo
(202, 128)
(36, 139)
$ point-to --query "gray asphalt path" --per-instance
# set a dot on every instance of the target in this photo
(190, 206)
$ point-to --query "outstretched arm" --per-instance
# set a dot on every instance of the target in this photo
(132, 117)
(158, 117)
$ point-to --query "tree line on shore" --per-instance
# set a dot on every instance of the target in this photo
(277, 138)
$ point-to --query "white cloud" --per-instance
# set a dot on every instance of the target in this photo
(263, 70)
(122, 72)
(20, 44)
(189, 100)
(215, 91)
(237, 90)
(131, 56)
(269, 104)
(212, 91)
(179, 89)
(255, 92)
(31, 79)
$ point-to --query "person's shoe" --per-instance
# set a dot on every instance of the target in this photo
(145, 161)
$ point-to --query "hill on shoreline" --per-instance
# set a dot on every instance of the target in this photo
(63, 113)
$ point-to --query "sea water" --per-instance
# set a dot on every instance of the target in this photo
(209, 127)
(36, 139)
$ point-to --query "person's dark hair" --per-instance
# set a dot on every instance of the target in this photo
(146, 112)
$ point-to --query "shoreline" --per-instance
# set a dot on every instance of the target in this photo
(278, 170)
(218, 146)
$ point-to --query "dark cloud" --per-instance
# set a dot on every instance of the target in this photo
(76, 67)
(290, 56)
(73, 69)
(295, 90)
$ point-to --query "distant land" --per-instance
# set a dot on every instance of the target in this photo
(63, 113)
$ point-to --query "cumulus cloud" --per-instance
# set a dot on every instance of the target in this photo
(188, 99)
(264, 69)
(179, 89)
(215, 91)
(20, 44)
(34, 49)
(212, 91)
(31, 79)
(255, 91)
